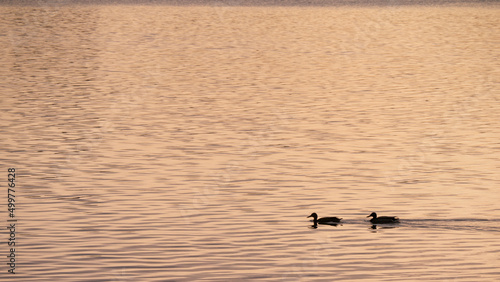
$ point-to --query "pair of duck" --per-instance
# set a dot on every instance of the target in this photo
(375, 219)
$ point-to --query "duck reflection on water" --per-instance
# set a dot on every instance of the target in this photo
(375, 226)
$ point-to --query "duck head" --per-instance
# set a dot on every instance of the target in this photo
(314, 215)
(374, 214)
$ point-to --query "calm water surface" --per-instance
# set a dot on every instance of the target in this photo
(162, 143)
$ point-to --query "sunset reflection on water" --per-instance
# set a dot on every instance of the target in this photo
(162, 143)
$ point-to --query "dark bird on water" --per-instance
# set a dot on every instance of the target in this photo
(324, 220)
(383, 219)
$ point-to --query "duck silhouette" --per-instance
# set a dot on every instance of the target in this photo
(324, 220)
(383, 219)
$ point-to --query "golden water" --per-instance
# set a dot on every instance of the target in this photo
(162, 143)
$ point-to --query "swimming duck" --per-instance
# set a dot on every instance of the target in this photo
(324, 220)
(383, 219)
